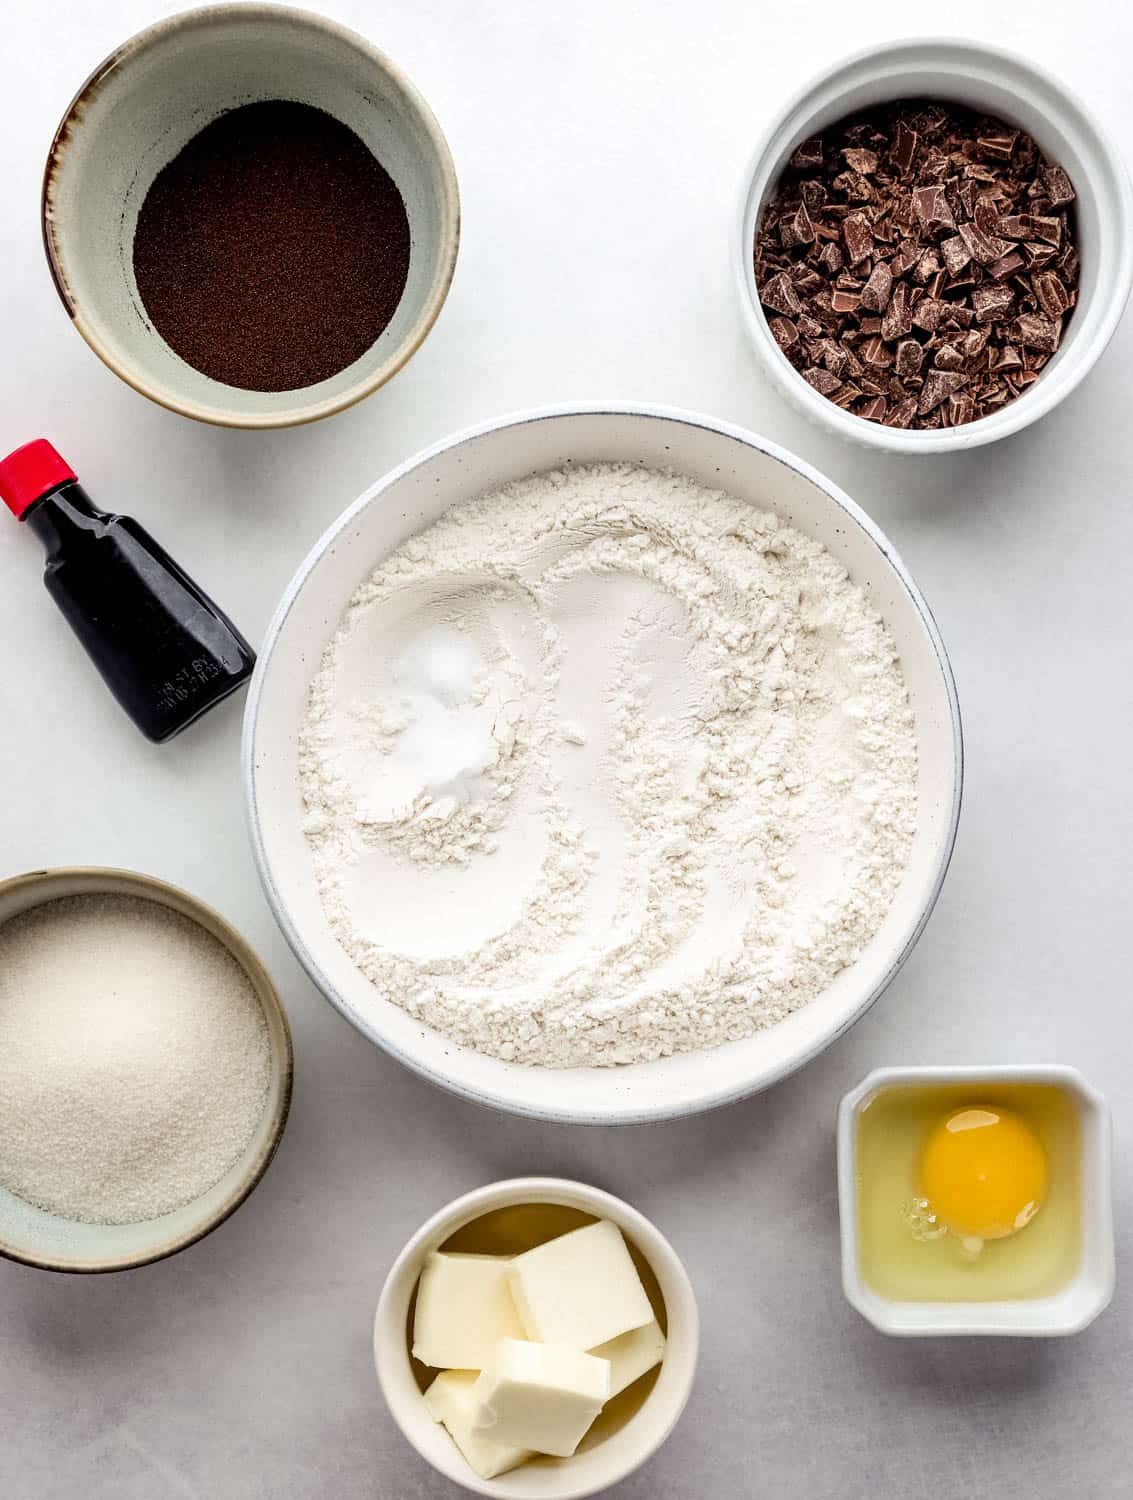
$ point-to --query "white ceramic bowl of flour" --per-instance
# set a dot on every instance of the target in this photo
(712, 455)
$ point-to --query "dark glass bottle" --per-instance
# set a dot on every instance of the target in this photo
(164, 649)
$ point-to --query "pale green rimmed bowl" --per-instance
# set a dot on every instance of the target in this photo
(36, 1238)
(146, 101)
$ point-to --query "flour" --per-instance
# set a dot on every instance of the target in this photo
(607, 766)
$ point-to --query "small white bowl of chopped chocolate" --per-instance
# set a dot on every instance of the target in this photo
(935, 246)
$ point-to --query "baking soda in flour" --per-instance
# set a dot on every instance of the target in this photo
(607, 766)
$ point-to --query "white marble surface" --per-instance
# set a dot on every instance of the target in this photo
(600, 146)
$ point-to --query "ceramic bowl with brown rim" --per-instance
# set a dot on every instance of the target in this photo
(143, 104)
(37, 1238)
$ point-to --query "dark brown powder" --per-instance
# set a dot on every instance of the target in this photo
(273, 250)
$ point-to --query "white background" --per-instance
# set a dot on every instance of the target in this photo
(600, 146)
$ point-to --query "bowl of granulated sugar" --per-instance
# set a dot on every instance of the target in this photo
(145, 1069)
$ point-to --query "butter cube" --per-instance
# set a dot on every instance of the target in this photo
(632, 1354)
(540, 1396)
(451, 1399)
(464, 1308)
(580, 1290)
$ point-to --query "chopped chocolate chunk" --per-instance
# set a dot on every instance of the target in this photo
(905, 259)
(853, 187)
(956, 254)
(897, 321)
(835, 358)
(1050, 294)
(926, 268)
(986, 215)
(805, 278)
(910, 358)
(974, 342)
(807, 156)
(858, 236)
(917, 263)
(903, 413)
(1006, 265)
(823, 381)
(797, 230)
(875, 293)
(873, 409)
(874, 352)
(858, 159)
(784, 332)
(938, 384)
(780, 296)
(981, 246)
(1036, 331)
(999, 146)
(960, 409)
(992, 302)
(845, 302)
(930, 313)
(930, 204)
(1008, 358)
(1048, 229)
(904, 148)
(1058, 186)
(948, 357)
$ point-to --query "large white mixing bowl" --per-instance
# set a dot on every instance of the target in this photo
(411, 498)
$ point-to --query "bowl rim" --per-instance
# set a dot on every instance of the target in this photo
(620, 1114)
(1018, 414)
(210, 16)
(972, 1319)
(649, 1240)
(164, 893)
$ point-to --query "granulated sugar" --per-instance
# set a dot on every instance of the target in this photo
(607, 766)
(134, 1058)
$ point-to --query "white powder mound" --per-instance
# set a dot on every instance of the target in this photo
(134, 1059)
(607, 766)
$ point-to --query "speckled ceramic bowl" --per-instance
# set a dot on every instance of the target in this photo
(146, 101)
(41, 1239)
(408, 500)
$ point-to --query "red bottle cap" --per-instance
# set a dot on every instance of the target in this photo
(30, 472)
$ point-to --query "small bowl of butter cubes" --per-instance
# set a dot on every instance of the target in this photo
(537, 1340)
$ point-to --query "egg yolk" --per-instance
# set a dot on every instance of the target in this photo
(984, 1173)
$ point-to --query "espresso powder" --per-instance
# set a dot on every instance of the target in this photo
(273, 250)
